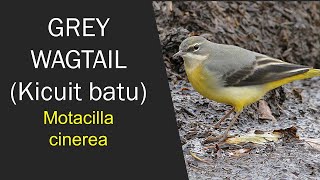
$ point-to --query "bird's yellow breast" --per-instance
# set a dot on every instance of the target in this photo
(211, 87)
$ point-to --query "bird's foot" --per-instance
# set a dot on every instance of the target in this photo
(217, 125)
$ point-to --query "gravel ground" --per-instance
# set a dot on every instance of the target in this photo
(284, 30)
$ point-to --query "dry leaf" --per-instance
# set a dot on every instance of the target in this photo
(239, 152)
(252, 137)
(197, 158)
(313, 142)
(265, 112)
(288, 133)
(260, 137)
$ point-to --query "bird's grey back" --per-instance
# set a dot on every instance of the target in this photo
(240, 67)
(228, 58)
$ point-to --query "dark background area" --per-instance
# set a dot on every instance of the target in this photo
(285, 30)
(143, 142)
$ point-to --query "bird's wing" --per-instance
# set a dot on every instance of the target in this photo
(263, 70)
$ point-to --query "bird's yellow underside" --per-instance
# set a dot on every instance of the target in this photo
(238, 97)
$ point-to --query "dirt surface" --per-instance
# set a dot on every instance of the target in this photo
(289, 31)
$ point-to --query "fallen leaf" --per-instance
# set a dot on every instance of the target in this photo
(185, 89)
(260, 138)
(265, 112)
(313, 142)
(197, 158)
(239, 152)
(288, 133)
(297, 93)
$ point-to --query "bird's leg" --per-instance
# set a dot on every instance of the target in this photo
(223, 118)
(225, 134)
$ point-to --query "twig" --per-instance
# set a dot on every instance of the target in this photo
(197, 158)
(189, 112)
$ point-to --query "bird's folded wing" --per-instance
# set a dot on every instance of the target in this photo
(261, 71)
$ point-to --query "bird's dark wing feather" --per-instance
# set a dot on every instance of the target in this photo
(263, 70)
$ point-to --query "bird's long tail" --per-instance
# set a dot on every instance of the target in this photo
(309, 74)
(312, 73)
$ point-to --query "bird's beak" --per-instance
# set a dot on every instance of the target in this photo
(179, 53)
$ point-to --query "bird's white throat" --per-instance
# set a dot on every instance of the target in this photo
(192, 60)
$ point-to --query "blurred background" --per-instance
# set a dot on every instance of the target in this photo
(289, 31)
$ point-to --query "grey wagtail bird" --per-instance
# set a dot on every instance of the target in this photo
(235, 76)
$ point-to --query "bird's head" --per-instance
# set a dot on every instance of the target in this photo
(194, 49)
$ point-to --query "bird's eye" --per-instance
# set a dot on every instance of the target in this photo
(196, 47)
